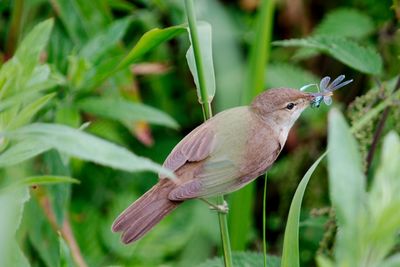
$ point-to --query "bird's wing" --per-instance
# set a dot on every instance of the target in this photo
(224, 172)
(216, 177)
(196, 146)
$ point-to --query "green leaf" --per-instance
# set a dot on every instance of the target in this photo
(21, 72)
(42, 237)
(290, 252)
(11, 206)
(42, 180)
(364, 59)
(384, 199)
(205, 43)
(78, 144)
(21, 151)
(323, 261)
(244, 259)
(347, 187)
(149, 41)
(228, 57)
(65, 254)
(34, 43)
(105, 40)
(392, 261)
(288, 75)
(16, 258)
(126, 111)
(345, 22)
(28, 112)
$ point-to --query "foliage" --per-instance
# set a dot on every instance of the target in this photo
(364, 59)
(367, 224)
(243, 259)
(73, 104)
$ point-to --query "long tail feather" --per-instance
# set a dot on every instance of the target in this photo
(142, 215)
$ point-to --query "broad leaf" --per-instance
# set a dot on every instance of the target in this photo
(21, 151)
(345, 22)
(347, 186)
(364, 59)
(290, 252)
(79, 144)
(11, 206)
(126, 111)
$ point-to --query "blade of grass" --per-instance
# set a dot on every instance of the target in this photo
(206, 105)
(241, 202)
(290, 252)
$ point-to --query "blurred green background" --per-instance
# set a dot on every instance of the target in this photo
(89, 38)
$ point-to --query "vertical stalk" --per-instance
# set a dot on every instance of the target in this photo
(15, 27)
(264, 215)
(198, 59)
(207, 112)
(242, 202)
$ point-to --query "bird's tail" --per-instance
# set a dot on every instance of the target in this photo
(146, 212)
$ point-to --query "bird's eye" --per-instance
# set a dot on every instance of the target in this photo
(290, 106)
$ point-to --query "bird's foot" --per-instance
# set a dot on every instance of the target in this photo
(223, 208)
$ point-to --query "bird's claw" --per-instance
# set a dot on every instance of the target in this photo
(224, 208)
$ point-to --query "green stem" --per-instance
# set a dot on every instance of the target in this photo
(260, 52)
(265, 221)
(242, 201)
(197, 58)
(15, 27)
(207, 112)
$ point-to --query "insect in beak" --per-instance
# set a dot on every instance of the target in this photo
(326, 90)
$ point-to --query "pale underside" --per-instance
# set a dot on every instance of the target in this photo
(222, 155)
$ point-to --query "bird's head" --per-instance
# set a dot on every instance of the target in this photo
(283, 106)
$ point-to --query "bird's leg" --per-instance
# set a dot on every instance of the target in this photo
(224, 208)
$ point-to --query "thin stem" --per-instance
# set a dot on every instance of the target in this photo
(206, 105)
(197, 57)
(15, 27)
(66, 230)
(265, 221)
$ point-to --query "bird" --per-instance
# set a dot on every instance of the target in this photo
(218, 157)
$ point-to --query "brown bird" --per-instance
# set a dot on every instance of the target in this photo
(218, 157)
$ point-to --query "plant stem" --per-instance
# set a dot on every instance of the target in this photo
(265, 221)
(241, 218)
(260, 52)
(379, 130)
(197, 57)
(15, 27)
(65, 230)
(207, 112)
